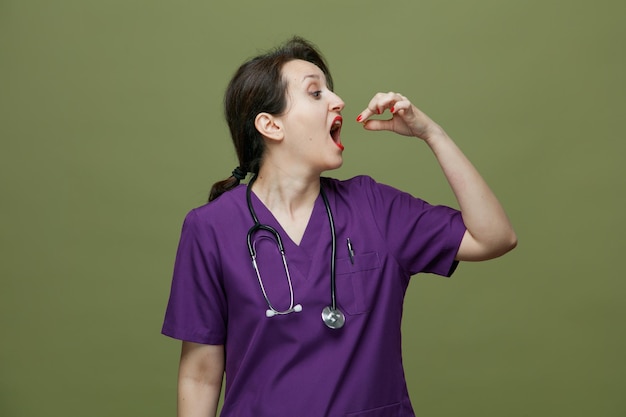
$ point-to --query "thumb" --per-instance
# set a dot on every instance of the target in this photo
(378, 125)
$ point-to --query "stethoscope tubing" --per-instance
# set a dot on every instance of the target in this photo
(333, 250)
(331, 316)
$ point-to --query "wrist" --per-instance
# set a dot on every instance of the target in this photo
(435, 136)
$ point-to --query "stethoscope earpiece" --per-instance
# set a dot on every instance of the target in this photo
(270, 312)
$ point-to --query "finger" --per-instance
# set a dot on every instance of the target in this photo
(384, 101)
(378, 104)
(401, 107)
(364, 115)
(376, 125)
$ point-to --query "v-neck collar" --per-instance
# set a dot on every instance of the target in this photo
(316, 234)
(311, 231)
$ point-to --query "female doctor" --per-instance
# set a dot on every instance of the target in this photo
(293, 284)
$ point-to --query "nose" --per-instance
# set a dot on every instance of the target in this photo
(336, 103)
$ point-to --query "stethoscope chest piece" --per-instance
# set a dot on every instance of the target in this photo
(333, 317)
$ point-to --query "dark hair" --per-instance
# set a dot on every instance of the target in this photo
(258, 86)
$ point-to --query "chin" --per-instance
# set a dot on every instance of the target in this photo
(336, 165)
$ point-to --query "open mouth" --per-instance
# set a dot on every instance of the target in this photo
(335, 132)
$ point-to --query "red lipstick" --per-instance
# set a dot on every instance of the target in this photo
(335, 131)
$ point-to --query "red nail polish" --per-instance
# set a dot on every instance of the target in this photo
(358, 119)
(392, 109)
(378, 111)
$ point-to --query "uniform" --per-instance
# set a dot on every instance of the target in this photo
(293, 365)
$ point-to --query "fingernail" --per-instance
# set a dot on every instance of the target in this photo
(378, 111)
(392, 109)
(358, 119)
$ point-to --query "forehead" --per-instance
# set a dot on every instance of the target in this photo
(298, 72)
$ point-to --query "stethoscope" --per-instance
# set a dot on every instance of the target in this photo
(331, 315)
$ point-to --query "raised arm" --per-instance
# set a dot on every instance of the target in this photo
(489, 232)
(199, 379)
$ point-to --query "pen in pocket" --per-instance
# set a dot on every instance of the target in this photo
(350, 251)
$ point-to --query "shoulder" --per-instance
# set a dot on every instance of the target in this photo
(220, 211)
(359, 183)
(364, 187)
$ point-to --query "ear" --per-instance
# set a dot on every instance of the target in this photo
(269, 126)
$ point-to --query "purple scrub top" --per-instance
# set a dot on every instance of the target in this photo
(293, 365)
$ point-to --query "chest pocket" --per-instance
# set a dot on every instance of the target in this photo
(358, 282)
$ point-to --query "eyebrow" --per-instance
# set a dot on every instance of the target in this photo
(316, 76)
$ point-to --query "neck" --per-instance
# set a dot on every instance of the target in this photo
(285, 194)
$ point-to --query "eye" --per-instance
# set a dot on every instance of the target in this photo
(316, 94)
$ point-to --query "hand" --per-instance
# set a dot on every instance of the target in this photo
(406, 119)
(489, 232)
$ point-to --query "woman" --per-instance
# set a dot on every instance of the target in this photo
(315, 332)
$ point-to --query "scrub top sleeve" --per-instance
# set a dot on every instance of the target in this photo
(196, 311)
(421, 237)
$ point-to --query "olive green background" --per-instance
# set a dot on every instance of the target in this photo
(111, 129)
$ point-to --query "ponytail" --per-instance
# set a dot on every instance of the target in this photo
(228, 184)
